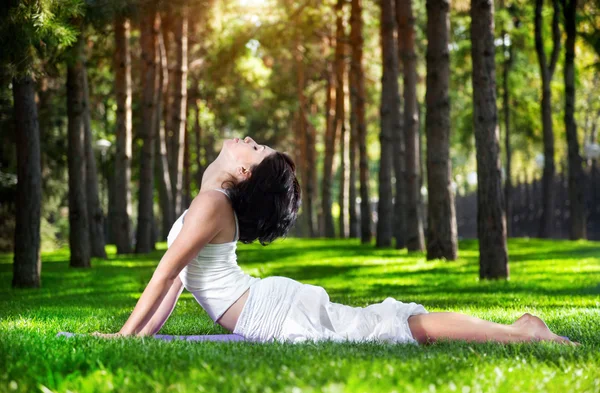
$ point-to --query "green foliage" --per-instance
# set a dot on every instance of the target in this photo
(41, 26)
(557, 280)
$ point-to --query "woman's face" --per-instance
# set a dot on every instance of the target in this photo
(246, 151)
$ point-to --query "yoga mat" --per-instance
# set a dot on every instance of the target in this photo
(166, 337)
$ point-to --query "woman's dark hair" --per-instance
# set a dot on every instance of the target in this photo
(267, 203)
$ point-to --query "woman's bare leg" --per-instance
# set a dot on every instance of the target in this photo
(453, 326)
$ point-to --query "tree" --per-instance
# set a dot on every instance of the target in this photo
(330, 137)
(150, 28)
(94, 209)
(179, 108)
(390, 123)
(491, 220)
(354, 225)
(507, 55)
(442, 238)
(79, 239)
(578, 227)
(165, 189)
(27, 265)
(340, 112)
(547, 71)
(357, 101)
(121, 224)
(406, 41)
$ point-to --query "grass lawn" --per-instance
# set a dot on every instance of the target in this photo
(557, 280)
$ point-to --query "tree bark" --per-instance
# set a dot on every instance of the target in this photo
(198, 137)
(79, 238)
(491, 220)
(390, 123)
(150, 28)
(306, 135)
(507, 54)
(340, 110)
(354, 225)
(179, 110)
(442, 237)
(94, 206)
(547, 71)
(578, 224)
(121, 227)
(357, 93)
(165, 189)
(330, 137)
(414, 215)
(27, 265)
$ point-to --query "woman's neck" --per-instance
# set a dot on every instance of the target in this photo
(214, 176)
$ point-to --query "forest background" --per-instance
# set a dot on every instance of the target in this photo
(394, 111)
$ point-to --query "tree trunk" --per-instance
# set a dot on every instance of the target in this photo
(94, 206)
(198, 133)
(79, 238)
(150, 28)
(491, 220)
(547, 71)
(414, 215)
(340, 112)
(187, 181)
(27, 265)
(578, 227)
(330, 137)
(179, 110)
(307, 145)
(507, 54)
(390, 123)
(442, 237)
(122, 63)
(165, 190)
(352, 162)
(357, 94)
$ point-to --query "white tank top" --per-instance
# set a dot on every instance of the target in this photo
(213, 276)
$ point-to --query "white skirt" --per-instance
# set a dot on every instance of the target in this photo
(282, 309)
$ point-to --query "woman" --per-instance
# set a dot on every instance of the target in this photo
(260, 202)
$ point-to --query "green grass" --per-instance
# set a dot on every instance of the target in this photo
(556, 280)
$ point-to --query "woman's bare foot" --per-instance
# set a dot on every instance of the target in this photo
(537, 330)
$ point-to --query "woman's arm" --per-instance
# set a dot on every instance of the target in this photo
(200, 226)
(164, 310)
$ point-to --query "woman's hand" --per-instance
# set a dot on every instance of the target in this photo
(107, 335)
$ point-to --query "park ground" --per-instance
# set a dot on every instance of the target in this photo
(556, 280)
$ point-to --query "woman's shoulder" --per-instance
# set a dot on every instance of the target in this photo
(209, 199)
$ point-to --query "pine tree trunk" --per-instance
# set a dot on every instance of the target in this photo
(578, 227)
(150, 28)
(357, 91)
(179, 110)
(199, 137)
(414, 215)
(307, 146)
(442, 237)
(507, 146)
(27, 265)
(399, 220)
(79, 232)
(491, 220)
(390, 123)
(340, 112)
(547, 71)
(121, 227)
(352, 162)
(330, 137)
(94, 207)
(165, 190)
(187, 182)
